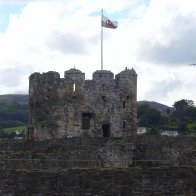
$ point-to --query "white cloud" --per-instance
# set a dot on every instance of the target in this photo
(155, 37)
(170, 43)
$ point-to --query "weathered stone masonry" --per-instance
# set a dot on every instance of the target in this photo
(134, 166)
(72, 106)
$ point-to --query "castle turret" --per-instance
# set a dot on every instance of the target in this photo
(103, 75)
(127, 77)
(74, 75)
(74, 81)
(126, 83)
(43, 96)
(104, 81)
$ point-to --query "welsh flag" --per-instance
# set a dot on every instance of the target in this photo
(108, 23)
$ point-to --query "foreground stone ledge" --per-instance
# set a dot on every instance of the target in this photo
(133, 181)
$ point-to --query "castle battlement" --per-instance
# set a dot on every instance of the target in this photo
(72, 106)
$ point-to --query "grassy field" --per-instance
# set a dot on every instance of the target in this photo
(14, 129)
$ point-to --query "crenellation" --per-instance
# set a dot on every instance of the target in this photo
(74, 75)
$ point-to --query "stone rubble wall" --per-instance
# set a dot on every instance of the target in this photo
(161, 181)
(143, 165)
(141, 151)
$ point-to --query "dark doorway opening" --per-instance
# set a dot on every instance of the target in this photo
(106, 130)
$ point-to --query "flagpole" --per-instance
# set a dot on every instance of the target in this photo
(101, 40)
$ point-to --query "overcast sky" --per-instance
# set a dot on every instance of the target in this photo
(155, 37)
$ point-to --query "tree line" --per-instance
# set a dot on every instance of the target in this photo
(12, 115)
(181, 117)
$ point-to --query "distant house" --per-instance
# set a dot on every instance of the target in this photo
(18, 138)
(170, 133)
(141, 130)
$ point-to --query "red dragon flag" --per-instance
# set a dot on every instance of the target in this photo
(105, 22)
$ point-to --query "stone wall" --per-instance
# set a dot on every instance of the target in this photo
(164, 181)
(144, 165)
(141, 151)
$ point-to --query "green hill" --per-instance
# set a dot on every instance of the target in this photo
(14, 99)
(155, 105)
(13, 111)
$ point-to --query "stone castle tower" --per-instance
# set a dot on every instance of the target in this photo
(74, 107)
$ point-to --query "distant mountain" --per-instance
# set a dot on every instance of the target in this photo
(14, 99)
(158, 106)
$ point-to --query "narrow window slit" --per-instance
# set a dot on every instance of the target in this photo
(124, 104)
(124, 124)
(74, 87)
